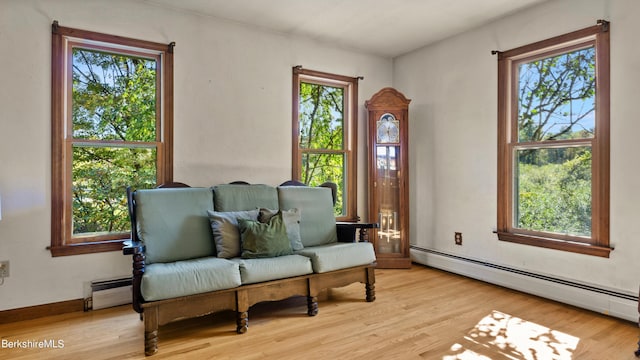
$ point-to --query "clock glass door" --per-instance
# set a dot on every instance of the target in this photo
(388, 239)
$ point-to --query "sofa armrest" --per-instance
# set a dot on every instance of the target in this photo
(136, 249)
(132, 247)
(347, 231)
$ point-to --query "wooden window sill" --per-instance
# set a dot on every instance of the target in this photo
(576, 247)
(86, 248)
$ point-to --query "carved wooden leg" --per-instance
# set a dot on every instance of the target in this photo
(371, 292)
(150, 342)
(138, 271)
(151, 331)
(242, 311)
(312, 305)
(242, 321)
(364, 236)
(371, 284)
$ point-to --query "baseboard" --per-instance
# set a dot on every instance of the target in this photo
(109, 293)
(587, 296)
(38, 311)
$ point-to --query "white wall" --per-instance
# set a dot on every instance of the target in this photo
(453, 134)
(232, 120)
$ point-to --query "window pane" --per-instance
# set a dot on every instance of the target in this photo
(114, 96)
(321, 116)
(553, 190)
(318, 168)
(556, 97)
(100, 178)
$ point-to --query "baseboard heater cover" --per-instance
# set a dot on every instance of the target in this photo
(109, 293)
(606, 301)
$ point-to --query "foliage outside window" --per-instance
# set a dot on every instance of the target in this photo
(554, 143)
(324, 141)
(108, 120)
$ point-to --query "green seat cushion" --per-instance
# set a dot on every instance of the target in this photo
(188, 277)
(173, 223)
(317, 220)
(232, 197)
(226, 234)
(265, 269)
(291, 219)
(262, 240)
(338, 256)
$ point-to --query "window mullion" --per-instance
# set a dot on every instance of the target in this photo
(115, 144)
(553, 144)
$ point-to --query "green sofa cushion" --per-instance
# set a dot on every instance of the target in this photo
(317, 220)
(263, 240)
(266, 269)
(173, 223)
(338, 256)
(232, 197)
(226, 233)
(182, 278)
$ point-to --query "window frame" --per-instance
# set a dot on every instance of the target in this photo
(598, 243)
(64, 40)
(350, 132)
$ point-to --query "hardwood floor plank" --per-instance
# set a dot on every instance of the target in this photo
(421, 313)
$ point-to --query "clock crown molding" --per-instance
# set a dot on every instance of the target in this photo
(386, 99)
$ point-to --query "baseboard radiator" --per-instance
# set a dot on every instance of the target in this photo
(109, 293)
(606, 301)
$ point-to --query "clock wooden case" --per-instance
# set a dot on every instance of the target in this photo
(388, 116)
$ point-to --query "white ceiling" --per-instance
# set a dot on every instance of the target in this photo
(383, 27)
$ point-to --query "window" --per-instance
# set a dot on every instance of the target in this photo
(553, 153)
(111, 128)
(324, 134)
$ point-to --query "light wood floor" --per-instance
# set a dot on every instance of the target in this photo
(420, 313)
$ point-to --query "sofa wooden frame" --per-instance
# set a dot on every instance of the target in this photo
(239, 299)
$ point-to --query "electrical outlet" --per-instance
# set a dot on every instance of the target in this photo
(458, 238)
(4, 269)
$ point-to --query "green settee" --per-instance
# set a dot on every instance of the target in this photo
(197, 251)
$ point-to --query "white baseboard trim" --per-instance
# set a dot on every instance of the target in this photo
(605, 301)
(111, 297)
(109, 293)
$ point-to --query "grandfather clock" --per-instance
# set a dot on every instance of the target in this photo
(388, 112)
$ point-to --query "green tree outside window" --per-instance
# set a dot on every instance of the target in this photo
(322, 138)
(114, 134)
(556, 101)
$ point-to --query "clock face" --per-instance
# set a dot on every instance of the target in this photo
(388, 130)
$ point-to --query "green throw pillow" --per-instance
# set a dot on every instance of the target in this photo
(263, 240)
(291, 220)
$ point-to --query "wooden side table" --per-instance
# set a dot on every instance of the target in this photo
(347, 230)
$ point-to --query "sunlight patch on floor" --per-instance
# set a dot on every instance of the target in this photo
(513, 338)
(464, 354)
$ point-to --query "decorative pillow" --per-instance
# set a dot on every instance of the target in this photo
(226, 234)
(262, 240)
(291, 220)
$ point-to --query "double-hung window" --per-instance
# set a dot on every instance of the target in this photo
(553, 151)
(111, 128)
(325, 134)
